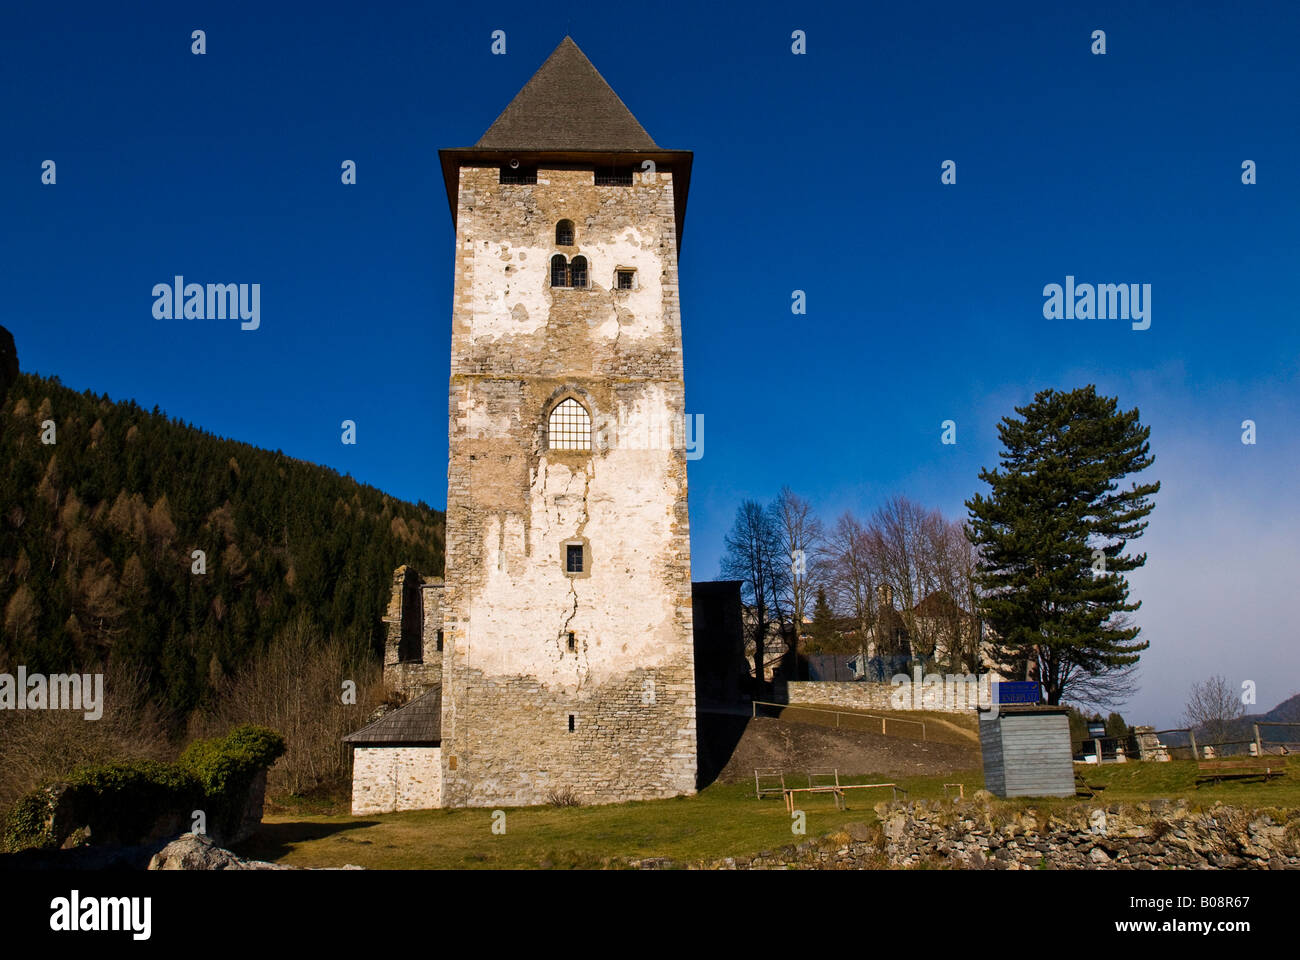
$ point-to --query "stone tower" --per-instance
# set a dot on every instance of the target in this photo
(568, 662)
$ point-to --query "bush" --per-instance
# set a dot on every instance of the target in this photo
(124, 800)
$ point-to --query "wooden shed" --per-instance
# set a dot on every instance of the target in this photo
(1027, 752)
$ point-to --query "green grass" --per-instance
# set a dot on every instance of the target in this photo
(722, 821)
(1177, 778)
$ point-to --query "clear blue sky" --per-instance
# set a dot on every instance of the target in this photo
(818, 172)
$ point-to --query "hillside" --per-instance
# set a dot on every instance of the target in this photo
(97, 532)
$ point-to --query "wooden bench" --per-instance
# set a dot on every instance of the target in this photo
(836, 789)
(768, 773)
(1217, 770)
(868, 786)
(1083, 787)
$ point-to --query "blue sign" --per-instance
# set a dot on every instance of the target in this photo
(1016, 691)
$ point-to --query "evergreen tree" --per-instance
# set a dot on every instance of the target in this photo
(823, 623)
(97, 536)
(1115, 725)
(1051, 536)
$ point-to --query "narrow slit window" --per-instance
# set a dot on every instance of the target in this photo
(571, 723)
(569, 426)
(573, 641)
(440, 641)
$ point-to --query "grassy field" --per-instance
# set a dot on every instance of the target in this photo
(723, 820)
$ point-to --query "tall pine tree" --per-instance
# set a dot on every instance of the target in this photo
(1051, 536)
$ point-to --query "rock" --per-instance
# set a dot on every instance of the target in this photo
(895, 826)
(191, 852)
(1098, 855)
(858, 831)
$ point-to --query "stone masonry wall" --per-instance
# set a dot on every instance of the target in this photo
(511, 678)
(387, 779)
(976, 835)
(868, 695)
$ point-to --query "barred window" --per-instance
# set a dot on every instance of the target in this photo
(569, 427)
(614, 177)
(578, 272)
(625, 279)
(518, 175)
(573, 564)
(564, 233)
(559, 271)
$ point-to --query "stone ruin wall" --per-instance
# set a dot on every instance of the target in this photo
(414, 613)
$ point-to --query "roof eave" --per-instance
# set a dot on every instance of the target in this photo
(678, 160)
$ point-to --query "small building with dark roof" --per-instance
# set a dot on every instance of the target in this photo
(397, 759)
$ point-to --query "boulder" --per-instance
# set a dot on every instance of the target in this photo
(192, 852)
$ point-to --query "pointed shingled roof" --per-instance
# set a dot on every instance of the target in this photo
(567, 105)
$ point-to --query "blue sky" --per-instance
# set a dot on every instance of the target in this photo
(818, 172)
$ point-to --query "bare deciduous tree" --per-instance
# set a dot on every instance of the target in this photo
(848, 567)
(40, 746)
(801, 536)
(295, 688)
(1211, 707)
(755, 557)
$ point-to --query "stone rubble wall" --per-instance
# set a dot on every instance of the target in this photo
(977, 835)
(873, 695)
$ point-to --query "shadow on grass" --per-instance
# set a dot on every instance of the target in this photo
(275, 840)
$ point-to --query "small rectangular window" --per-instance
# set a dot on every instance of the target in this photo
(518, 175)
(571, 723)
(625, 279)
(573, 558)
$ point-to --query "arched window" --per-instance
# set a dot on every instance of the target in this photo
(564, 233)
(559, 271)
(569, 426)
(578, 272)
